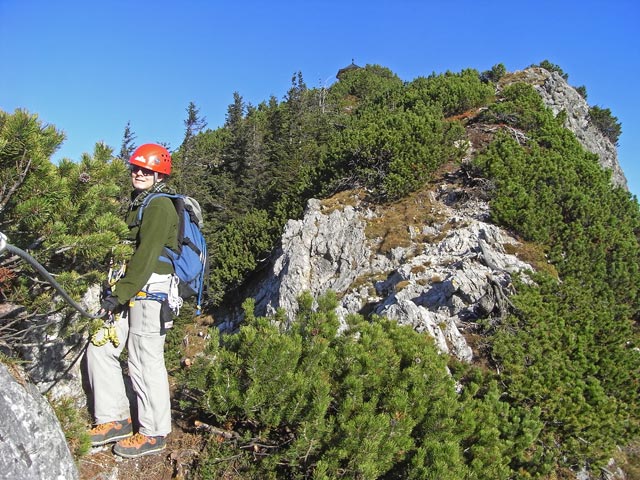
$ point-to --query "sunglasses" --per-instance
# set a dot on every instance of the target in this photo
(145, 171)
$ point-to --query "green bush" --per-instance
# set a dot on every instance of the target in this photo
(453, 93)
(73, 422)
(551, 357)
(552, 67)
(375, 401)
(582, 91)
(520, 106)
(495, 74)
(367, 84)
(236, 250)
(570, 348)
(66, 215)
(318, 403)
(606, 123)
(391, 153)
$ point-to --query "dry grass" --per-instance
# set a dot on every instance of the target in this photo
(533, 254)
(342, 199)
(417, 269)
(368, 280)
(520, 76)
(392, 227)
(628, 459)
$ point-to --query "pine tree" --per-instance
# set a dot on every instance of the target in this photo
(235, 155)
(194, 124)
(25, 148)
(190, 166)
(128, 143)
(67, 215)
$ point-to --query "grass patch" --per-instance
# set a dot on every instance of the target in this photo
(393, 224)
(340, 200)
(533, 254)
(417, 269)
(369, 280)
(73, 421)
(628, 458)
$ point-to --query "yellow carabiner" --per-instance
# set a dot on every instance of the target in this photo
(109, 335)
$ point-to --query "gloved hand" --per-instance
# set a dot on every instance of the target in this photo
(109, 304)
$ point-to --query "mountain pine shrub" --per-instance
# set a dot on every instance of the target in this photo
(66, 215)
(391, 153)
(452, 93)
(570, 350)
(551, 356)
(374, 401)
(606, 123)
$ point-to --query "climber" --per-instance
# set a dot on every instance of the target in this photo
(137, 304)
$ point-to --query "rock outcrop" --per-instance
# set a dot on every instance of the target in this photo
(54, 350)
(445, 275)
(559, 96)
(32, 445)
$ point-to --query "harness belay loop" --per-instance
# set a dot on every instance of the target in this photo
(172, 297)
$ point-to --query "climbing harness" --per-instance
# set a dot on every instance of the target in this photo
(170, 303)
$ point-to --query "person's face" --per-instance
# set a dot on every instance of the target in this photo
(141, 178)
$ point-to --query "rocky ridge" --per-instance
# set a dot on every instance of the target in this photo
(559, 96)
(449, 267)
(432, 261)
(451, 273)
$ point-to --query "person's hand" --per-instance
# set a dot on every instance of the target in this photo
(109, 304)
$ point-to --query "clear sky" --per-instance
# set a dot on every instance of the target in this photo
(90, 67)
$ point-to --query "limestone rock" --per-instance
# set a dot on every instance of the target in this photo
(439, 286)
(32, 445)
(559, 96)
(318, 253)
(54, 354)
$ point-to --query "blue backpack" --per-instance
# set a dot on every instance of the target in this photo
(190, 261)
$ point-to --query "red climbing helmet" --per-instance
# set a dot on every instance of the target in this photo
(153, 157)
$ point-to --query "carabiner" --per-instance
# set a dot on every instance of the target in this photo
(3, 241)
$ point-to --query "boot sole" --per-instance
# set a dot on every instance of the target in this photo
(111, 439)
(139, 454)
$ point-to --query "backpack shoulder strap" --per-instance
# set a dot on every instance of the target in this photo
(150, 197)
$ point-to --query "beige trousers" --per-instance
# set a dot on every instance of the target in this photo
(141, 334)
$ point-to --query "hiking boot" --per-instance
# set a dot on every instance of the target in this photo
(110, 432)
(139, 445)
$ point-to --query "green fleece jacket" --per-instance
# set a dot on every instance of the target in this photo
(158, 229)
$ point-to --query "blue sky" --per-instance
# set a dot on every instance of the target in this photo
(90, 67)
